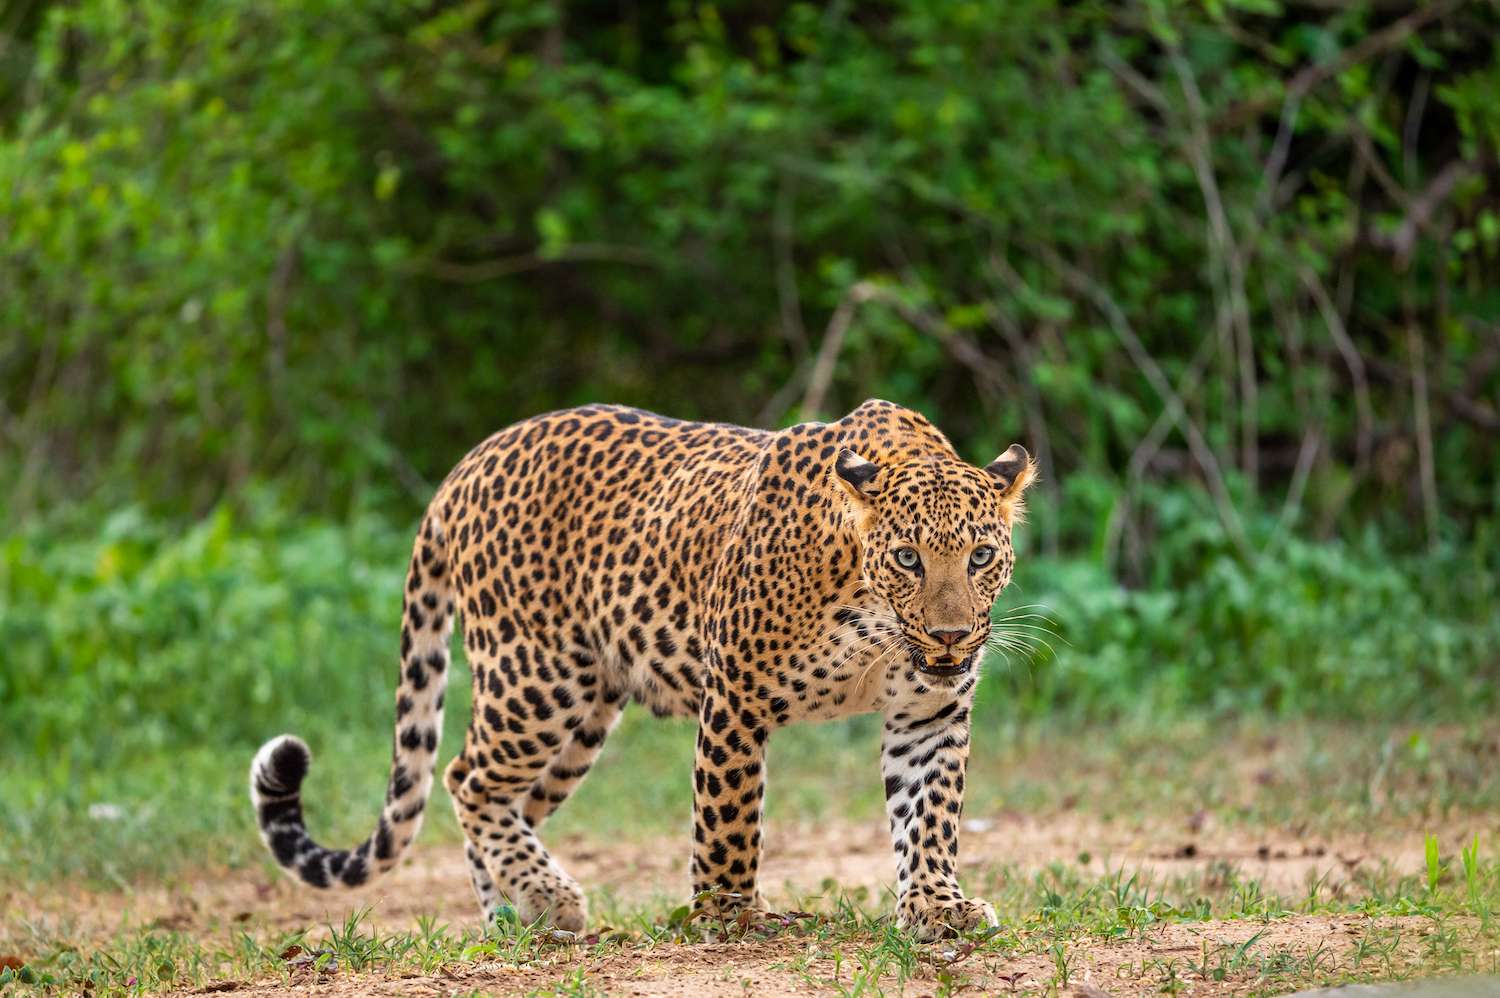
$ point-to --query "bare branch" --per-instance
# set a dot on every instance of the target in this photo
(1312, 440)
(1143, 88)
(833, 342)
(1421, 210)
(1202, 453)
(1460, 402)
(465, 272)
(1037, 430)
(1422, 414)
(1233, 313)
(1364, 412)
(1391, 36)
(1149, 445)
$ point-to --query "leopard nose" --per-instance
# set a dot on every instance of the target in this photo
(950, 635)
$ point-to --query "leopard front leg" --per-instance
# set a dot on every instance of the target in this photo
(729, 783)
(923, 759)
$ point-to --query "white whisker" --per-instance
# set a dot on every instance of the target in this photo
(865, 675)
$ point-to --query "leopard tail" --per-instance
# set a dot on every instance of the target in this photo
(279, 767)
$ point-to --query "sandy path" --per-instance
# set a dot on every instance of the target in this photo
(1161, 961)
(800, 861)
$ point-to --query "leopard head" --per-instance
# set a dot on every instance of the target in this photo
(935, 538)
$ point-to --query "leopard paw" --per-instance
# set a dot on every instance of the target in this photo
(719, 903)
(930, 918)
(560, 905)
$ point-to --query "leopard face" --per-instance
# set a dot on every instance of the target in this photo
(935, 538)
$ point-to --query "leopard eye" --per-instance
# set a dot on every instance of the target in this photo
(982, 556)
(908, 557)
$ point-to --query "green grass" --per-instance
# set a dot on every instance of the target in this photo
(190, 809)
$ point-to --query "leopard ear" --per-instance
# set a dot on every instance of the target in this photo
(1013, 472)
(856, 474)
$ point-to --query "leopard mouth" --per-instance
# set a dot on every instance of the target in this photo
(945, 667)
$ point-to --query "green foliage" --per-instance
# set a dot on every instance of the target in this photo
(1336, 628)
(333, 243)
(143, 638)
(140, 637)
(145, 662)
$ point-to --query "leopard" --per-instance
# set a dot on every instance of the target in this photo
(748, 578)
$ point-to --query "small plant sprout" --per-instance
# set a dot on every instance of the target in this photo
(1473, 885)
(1435, 867)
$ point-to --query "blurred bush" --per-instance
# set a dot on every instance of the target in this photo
(138, 638)
(267, 269)
(1246, 245)
(139, 641)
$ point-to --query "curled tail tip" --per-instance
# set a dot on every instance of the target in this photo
(279, 767)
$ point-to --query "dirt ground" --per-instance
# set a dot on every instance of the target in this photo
(433, 879)
(799, 863)
(781, 967)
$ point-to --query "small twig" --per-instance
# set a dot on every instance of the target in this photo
(1422, 412)
(1481, 366)
(1143, 88)
(1420, 212)
(1234, 314)
(488, 270)
(1352, 360)
(833, 342)
(1312, 441)
(1365, 152)
(1411, 129)
(1462, 403)
(1149, 445)
(776, 406)
(1276, 162)
(1038, 432)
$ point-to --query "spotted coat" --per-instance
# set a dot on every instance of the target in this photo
(747, 578)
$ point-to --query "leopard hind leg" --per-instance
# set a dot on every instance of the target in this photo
(523, 732)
